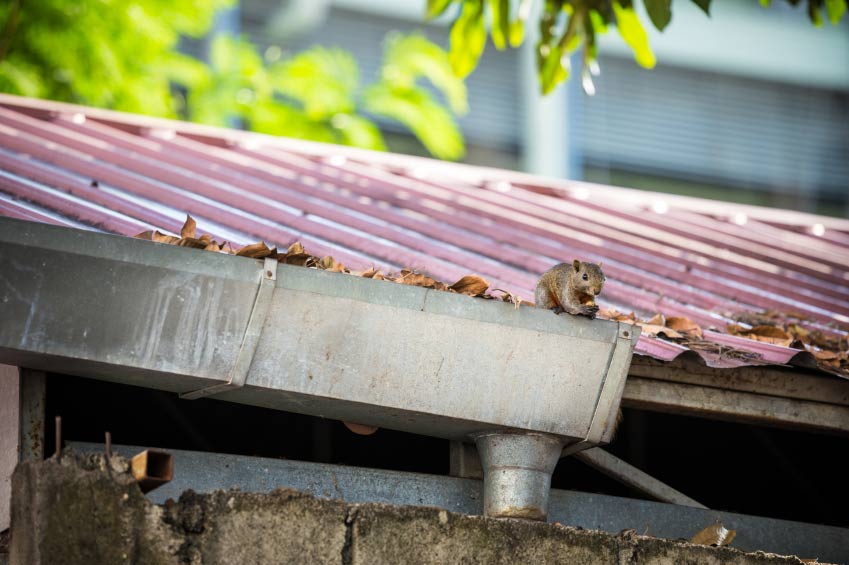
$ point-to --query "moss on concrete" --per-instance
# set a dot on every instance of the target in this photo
(89, 510)
(284, 526)
(391, 534)
(81, 511)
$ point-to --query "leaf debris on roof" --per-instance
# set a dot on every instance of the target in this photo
(772, 327)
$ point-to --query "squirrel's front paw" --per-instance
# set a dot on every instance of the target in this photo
(589, 311)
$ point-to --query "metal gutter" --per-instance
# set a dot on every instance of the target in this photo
(326, 344)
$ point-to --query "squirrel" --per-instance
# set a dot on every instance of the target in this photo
(570, 288)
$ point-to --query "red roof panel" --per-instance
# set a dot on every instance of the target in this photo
(698, 259)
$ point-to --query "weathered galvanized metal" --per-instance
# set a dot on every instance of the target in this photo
(331, 345)
(517, 470)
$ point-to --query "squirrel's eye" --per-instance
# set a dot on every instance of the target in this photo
(586, 278)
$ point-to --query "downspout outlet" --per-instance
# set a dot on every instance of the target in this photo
(517, 470)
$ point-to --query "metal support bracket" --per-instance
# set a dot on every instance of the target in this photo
(256, 320)
(627, 474)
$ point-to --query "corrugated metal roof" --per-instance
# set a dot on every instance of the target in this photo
(120, 173)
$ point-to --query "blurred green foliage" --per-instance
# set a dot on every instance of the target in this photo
(567, 25)
(106, 53)
(123, 55)
(317, 94)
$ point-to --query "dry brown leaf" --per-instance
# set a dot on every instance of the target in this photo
(330, 264)
(616, 316)
(206, 238)
(295, 255)
(684, 325)
(770, 334)
(299, 259)
(227, 248)
(657, 320)
(771, 340)
(361, 429)
(191, 242)
(212, 246)
(418, 279)
(255, 251)
(654, 329)
(188, 228)
(826, 355)
(734, 329)
(770, 331)
(473, 285)
(763, 333)
(148, 235)
(823, 341)
(510, 297)
(715, 534)
(164, 238)
(606, 313)
(373, 273)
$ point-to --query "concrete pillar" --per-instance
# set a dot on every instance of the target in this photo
(10, 386)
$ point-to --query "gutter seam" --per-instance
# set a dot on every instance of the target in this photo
(253, 331)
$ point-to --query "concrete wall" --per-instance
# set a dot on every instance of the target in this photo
(81, 510)
(9, 436)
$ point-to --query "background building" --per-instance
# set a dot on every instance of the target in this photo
(751, 105)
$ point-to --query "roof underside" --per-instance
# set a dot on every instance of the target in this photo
(703, 260)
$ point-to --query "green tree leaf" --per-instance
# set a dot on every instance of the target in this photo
(835, 10)
(516, 34)
(90, 52)
(554, 68)
(705, 5)
(634, 34)
(468, 38)
(410, 57)
(660, 12)
(417, 110)
(272, 117)
(358, 131)
(814, 13)
(20, 79)
(322, 80)
(436, 8)
(184, 70)
(500, 31)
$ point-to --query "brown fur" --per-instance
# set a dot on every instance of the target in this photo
(562, 288)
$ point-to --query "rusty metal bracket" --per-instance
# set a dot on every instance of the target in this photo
(256, 320)
(152, 468)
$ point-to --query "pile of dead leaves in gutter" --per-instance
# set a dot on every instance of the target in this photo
(680, 330)
(784, 329)
(831, 353)
(471, 285)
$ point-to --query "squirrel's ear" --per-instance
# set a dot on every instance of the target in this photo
(576, 264)
(599, 264)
